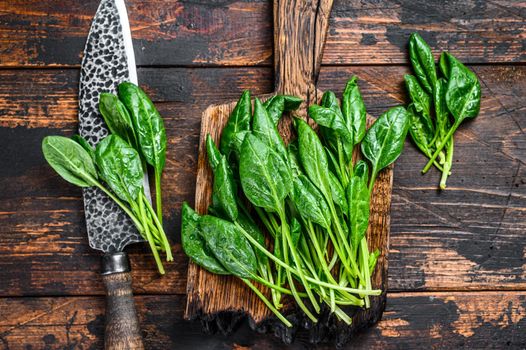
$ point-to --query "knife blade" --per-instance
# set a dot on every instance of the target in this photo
(109, 60)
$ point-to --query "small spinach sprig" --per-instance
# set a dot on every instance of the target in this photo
(137, 137)
(434, 100)
(310, 196)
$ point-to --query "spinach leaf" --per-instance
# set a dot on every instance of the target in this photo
(224, 191)
(239, 120)
(332, 119)
(421, 130)
(421, 100)
(245, 221)
(279, 104)
(384, 141)
(266, 130)
(70, 160)
(194, 245)
(120, 166)
(147, 123)
(295, 232)
(265, 177)
(310, 202)
(441, 111)
(82, 141)
(313, 158)
(353, 110)
(361, 170)
(338, 193)
(117, 118)
(229, 246)
(444, 64)
(423, 62)
(463, 91)
(214, 156)
(358, 198)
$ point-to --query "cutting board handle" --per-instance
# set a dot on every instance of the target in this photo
(300, 29)
(122, 325)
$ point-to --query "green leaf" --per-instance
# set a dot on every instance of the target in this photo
(194, 245)
(463, 91)
(338, 193)
(421, 130)
(82, 141)
(229, 246)
(117, 118)
(70, 160)
(295, 232)
(313, 158)
(265, 176)
(245, 221)
(353, 110)
(329, 100)
(279, 104)
(310, 202)
(421, 100)
(384, 140)
(331, 119)
(224, 191)
(147, 123)
(441, 111)
(361, 170)
(214, 156)
(358, 198)
(444, 64)
(120, 167)
(266, 130)
(423, 62)
(239, 120)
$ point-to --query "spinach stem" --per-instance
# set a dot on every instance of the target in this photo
(441, 145)
(447, 165)
(268, 303)
(164, 239)
(158, 198)
(149, 238)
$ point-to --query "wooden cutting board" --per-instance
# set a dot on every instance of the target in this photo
(300, 28)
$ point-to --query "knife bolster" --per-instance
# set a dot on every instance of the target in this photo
(122, 330)
(115, 263)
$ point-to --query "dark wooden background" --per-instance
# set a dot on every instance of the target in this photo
(457, 259)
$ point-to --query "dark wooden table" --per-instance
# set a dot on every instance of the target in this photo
(457, 258)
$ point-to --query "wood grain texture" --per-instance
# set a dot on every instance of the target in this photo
(466, 238)
(230, 32)
(489, 320)
(122, 329)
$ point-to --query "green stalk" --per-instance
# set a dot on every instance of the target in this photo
(448, 164)
(121, 204)
(287, 267)
(149, 238)
(365, 266)
(268, 303)
(441, 145)
(158, 198)
(159, 225)
(286, 237)
(343, 238)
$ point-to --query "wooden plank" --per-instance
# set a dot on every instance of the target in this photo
(372, 32)
(475, 227)
(36, 33)
(411, 321)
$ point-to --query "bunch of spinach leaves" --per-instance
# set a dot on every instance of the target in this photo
(293, 218)
(137, 138)
(435, 99)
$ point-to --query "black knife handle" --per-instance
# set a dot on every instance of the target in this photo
(122, 325)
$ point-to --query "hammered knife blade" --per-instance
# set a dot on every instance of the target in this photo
(109, 60)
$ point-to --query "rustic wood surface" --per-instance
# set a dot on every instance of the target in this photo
(457, 258)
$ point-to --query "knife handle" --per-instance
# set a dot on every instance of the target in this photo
(122, 331)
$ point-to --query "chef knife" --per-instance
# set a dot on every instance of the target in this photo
(109, 60)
